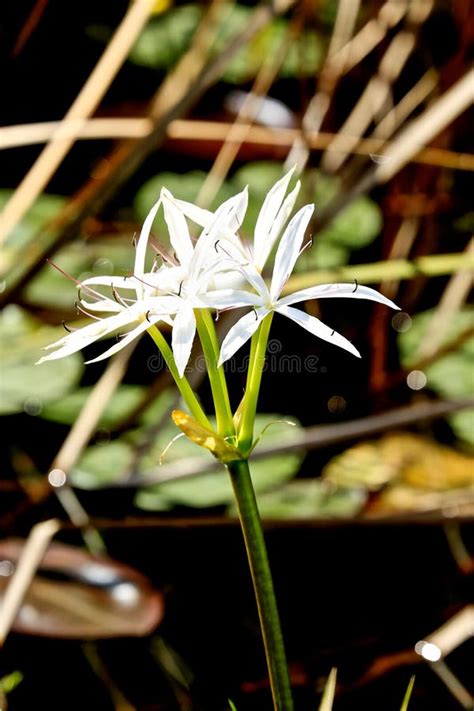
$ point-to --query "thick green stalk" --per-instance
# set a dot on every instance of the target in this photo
(183, 385)
(220, 395)
(254, 377)
(263, 584)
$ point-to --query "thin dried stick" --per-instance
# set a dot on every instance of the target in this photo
(407, 105)
(239, 130)
(407, 144)
(423, 129)
(78, 438)
(378, 90)
(84, 105)
(454, 296)
(310, 438)
(30, 133)
(340, 62)
(28, 563)
(196, 130)
(128, 156)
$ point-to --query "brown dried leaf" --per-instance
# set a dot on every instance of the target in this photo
(79, 596)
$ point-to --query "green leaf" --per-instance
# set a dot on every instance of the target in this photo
(410, 340)
(450, 376)
(324, 254)
(166, 37)
(356, 226)
(311, 498)
(462, 424)
(122, 402)
(25, 386)
(9, 682)
(103, 464)
(406, 698)
(51, 289)
(43, 210)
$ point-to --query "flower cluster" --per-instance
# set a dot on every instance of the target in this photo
(178, 284)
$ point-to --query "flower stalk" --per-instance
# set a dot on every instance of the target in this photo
(181, 291)
(262, 583)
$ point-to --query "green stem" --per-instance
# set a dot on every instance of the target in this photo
(254, 378)
(220, 395)
(263, 584)
(183, 385)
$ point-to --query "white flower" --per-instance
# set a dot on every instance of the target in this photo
(264, 300)
(140, 309)
(171, 290)
(272, 217)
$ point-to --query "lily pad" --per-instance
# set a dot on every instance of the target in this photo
(451, 375)
(25, 386)
(79, 596)
(167, 37)
(310, 498)
(52, 289)
(123, 401)
(103, 464)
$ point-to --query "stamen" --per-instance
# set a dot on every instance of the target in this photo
(356, 286)
(117, 296)
(134, 240)
(306, 246)
(147, 316)
(256, 314)
(180, 287)
(162, 252)
(68, 328)
(332, 333)
(86, 313)
(94, 293)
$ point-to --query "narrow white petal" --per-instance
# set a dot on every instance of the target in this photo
(280, 221)
(83, 337)
(126, 339)
(184, 328)
(117, 282)
(178, 229)
(240, 333)
(142, 245)
(103, 306)
(289, 249)
(201, 217)
(334, 291)
(317, 328)
(233, 210)
(229, 299)
(267, 217)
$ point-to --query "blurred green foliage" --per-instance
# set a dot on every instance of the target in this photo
(451, 375)
(167, 37)
(25, 386)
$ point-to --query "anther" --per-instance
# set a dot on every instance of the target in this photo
(147, 316)
(356, 286)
